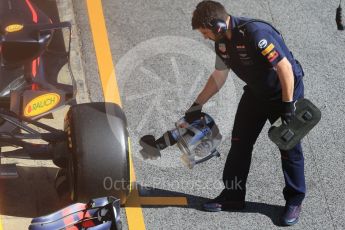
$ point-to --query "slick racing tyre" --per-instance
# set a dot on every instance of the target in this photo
(99, 154)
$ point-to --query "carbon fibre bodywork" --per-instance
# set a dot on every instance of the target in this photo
(101, 214)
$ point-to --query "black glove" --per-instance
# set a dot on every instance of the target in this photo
(288, 111)
(193, 113)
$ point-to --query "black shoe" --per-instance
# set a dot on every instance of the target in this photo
(290, 215)
(221, 203)
(150, 150)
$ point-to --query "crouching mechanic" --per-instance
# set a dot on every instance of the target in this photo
(255, 51)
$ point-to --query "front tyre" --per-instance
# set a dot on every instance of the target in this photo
(99, 153)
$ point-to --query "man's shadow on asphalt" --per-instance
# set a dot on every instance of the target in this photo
(33, 194)
(195, 202)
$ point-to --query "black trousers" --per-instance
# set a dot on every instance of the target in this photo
(251, 116)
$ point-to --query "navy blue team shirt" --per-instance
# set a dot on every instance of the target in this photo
(252, 54)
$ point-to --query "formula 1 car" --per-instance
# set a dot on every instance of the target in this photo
(92, 150)
(98, 214)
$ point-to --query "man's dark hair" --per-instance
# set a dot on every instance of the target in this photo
(206, 11)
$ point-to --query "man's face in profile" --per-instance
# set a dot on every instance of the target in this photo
(208, 34)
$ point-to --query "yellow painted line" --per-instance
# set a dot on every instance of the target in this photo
(131, 167)
(103, 53)
(178, 201)
(135, 219)
(111, 93)
(134, 213)
(133, 206)
(1, 224)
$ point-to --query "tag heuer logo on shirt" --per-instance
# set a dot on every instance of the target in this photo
(262, 43)
(222, 47)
